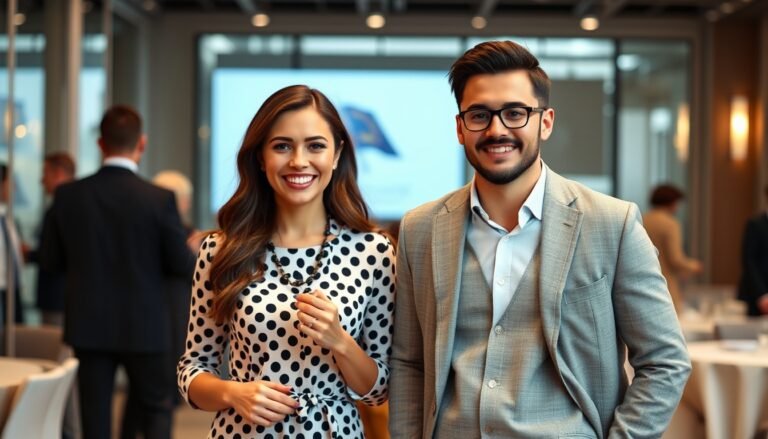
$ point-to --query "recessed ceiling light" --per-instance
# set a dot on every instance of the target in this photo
(260, 20)
(589, 23)
(375, 21)
(479, 22)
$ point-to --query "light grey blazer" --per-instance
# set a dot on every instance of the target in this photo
(602, 294)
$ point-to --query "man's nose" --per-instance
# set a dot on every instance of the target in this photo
(495, 126)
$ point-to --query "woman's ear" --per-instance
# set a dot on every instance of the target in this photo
(338, 154)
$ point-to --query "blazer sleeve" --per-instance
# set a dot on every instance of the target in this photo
(646, 321)
(178, 259)
(406, 389)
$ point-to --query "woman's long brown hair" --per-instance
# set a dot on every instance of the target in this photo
(247, 220)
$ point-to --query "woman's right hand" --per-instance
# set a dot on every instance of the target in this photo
(261, 402)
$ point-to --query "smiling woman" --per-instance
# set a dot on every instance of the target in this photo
(296, 282)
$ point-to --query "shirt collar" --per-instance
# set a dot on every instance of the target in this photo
(532, 207)
(122, 162)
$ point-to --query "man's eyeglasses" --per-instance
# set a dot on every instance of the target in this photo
(479, 119)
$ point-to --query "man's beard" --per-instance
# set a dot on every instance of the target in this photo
(508, 175)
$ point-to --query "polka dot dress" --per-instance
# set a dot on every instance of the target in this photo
(265, 343)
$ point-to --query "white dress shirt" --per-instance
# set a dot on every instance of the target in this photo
(504, 255)
(122, 162)
(13, 235)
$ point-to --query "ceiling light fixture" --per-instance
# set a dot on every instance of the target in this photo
(375, 21)
(589, 23)
(479, 22)
(260, 20)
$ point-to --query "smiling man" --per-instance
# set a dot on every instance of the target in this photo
(520, 295)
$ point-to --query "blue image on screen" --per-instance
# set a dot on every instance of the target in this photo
(402, 123)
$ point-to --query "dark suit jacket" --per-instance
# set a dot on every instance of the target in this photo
(754, 258)
(118, 239)
(50, 285)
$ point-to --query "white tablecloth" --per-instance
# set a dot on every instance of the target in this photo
(728, 388)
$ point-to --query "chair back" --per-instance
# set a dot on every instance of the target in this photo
(746, 330)
(54, 417)
(38, 406)
(44, 342)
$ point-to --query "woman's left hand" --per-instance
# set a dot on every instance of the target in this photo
(319, 318)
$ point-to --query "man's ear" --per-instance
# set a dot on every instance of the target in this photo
(547, 123)
(459, 131)
(142, 143)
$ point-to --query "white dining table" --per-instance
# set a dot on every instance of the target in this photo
(13, 372)
(728, 387)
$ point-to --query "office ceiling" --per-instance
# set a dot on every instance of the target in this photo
(711, 9)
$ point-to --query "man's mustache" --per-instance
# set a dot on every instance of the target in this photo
(493, 141)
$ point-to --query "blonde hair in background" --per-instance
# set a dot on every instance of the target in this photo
(181, 187)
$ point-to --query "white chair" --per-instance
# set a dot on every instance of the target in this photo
(46, 342)
(38, 407)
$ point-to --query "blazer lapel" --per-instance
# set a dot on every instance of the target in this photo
(449, 230)
(560, 228)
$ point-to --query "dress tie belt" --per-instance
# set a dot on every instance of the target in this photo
(311, 401)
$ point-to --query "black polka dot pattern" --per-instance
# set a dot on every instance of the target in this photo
(265, 343)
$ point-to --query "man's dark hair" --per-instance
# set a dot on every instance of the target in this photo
(120, 129)
(61, 160)
(666, 195)
(3, 172)
(497, 57)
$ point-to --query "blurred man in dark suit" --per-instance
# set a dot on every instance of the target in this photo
(118, 239)
(58, 168)
(753, 288)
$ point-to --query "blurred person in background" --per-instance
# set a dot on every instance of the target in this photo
(118, 238)
(753, 287)
(9, 236)
(667, 236)
(58, 168)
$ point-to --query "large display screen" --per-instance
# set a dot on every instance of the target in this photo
(402, 123)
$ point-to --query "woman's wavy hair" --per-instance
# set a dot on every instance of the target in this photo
(247, 221)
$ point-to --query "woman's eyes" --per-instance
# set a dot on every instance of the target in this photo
(317, 146)
(314, 146)
(281, 146)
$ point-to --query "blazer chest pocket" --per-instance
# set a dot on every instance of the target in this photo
(586, 292)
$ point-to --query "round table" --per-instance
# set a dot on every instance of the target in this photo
(728, 387)
(13, 372)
